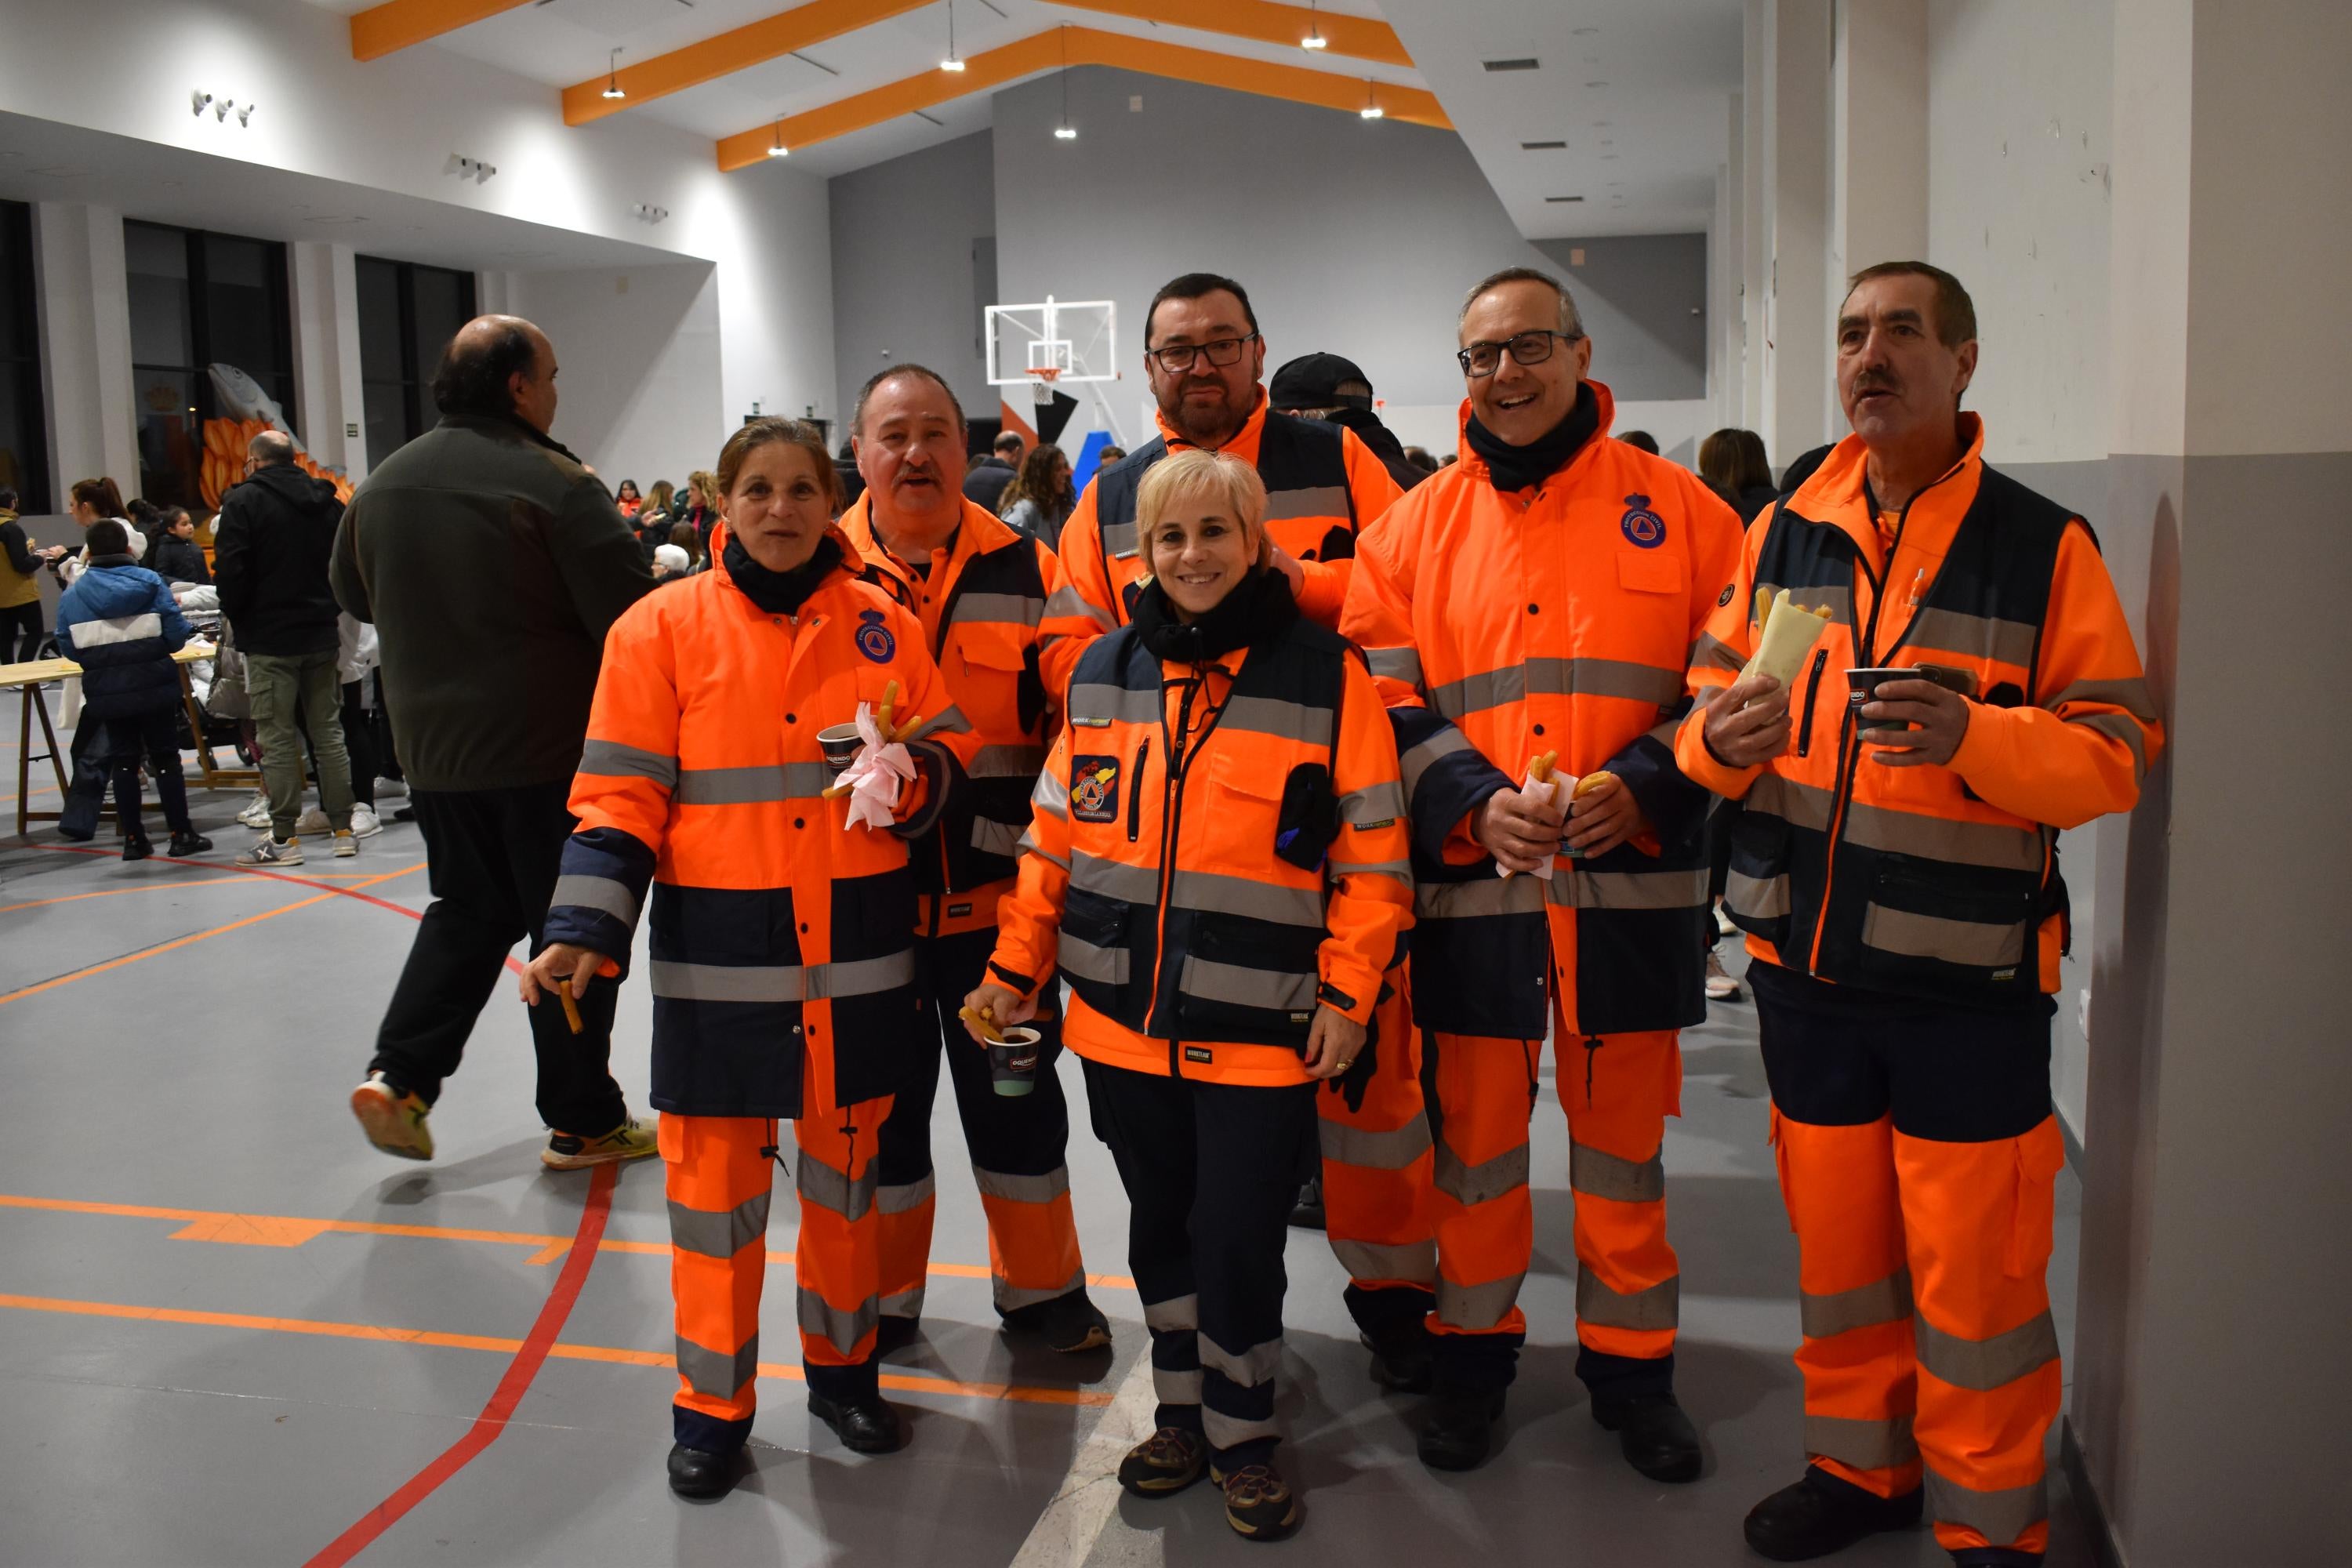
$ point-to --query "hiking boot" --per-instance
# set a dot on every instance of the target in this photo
(393, 1118)
(1824, 1513)
(865, 1423)
(1068, 1324)
(270, 852)
(365, 823)
(188, 841)
(566, 1152)
(1259, 1504)
(1164, 1463)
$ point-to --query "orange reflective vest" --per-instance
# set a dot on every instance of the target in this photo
(778, 934)
(1150, 875)
(1322, 483)
(1939, 882)
(1555, 618)
(979, 601)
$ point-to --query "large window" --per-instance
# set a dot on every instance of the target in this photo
(24, 450)
(199, 299)
(408, 313)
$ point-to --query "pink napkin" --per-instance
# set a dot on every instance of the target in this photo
(874, 774)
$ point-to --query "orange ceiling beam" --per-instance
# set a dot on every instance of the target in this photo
(381, 30)
(755, 43)
(1087, 47)
(1361, 38)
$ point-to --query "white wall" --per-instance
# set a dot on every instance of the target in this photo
(904, 288)
(640, 362)
(85, 319)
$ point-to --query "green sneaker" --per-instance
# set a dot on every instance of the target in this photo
(567, 1151)
(393, 1120)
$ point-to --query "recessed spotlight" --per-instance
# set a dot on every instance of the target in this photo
(1542, 146)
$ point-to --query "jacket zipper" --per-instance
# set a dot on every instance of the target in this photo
(1812, 695)
(1179, 767)
(1134, 792)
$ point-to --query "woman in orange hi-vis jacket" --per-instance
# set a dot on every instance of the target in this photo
(781, 942)
(1218, 866)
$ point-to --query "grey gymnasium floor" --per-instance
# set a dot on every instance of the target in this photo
(230, 1331)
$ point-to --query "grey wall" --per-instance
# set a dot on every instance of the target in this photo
(1643, 299)
(905, 286)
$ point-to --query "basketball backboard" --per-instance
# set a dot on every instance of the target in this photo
(1076, 338)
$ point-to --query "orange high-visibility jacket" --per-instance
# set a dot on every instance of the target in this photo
(778, 932)
(1190, 948)
(979, 601)
(1930, 881)
(1555, 618)
(1323, 485)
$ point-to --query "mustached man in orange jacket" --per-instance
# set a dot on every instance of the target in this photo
(1895, 866)
(782, 935)
(1205, 358)
(1538, 598)
(978, 586)
(1217, 866)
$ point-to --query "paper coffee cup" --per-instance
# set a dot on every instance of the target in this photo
(1012, 1066)
(840, 745)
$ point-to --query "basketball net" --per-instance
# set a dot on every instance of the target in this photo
(1041, 385)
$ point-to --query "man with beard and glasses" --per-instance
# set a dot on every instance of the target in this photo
(1204, 358)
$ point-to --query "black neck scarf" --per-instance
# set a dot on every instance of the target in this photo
(1517, 468)
(781, 593)
(1259, 610)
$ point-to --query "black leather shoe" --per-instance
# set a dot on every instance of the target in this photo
(696, 1473)
(1068, 1324)
(1822, 1514)
(1658, 1439)
(896, 1334)
(1460, 1430)
(1401, 1362)
(189, 843)
(1306, 1214)
(866, 1425)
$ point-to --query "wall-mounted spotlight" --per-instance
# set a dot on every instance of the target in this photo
(613, 76)
(220, 110)
(198, 101)
(646, 212)
(466, 168)
(244, 113)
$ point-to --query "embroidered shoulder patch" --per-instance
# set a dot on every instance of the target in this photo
(874, 638)
(1645, 527)
(1093, 789)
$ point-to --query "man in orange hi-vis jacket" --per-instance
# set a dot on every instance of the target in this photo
(1538, 598)
(1895, 866)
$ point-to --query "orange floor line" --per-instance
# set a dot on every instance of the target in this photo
(142, 887)
(609, 1354)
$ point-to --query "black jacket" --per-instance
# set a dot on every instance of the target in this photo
(271, 547)
(985, 482)
(492, 564)
(1380, 440)
(179, 561)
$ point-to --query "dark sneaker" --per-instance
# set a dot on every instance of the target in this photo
(1164, 1463)
(566, 1152)
(1068, 1324)
(1658, 1436)
(393, 1118)
(698, 1473)
(271, 852)
(189, 843)
(137, 849)
(1259, 1504)
(1306, 1214)
(1821, 1514)
(866, 1423)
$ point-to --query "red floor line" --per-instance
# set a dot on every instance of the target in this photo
(492, 1421)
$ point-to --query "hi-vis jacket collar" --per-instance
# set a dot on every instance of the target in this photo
(851, 564)
(980, 531)
(1473, 464)
(1835, 495)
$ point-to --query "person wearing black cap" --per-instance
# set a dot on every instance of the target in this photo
(1327, 387)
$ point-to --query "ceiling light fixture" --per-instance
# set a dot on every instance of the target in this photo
(613, 76)
(953, 62)
(1371, 110)
(1314, 38)
(1065, 131)
(777, 149)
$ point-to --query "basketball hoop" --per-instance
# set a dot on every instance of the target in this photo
(1041, 384)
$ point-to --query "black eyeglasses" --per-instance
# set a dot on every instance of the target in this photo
(1178, 358)
(1482, 360)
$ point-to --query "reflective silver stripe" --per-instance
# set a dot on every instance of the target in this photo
(1041, 1189)
(1052, 795)
(1369, 1150)
(1395, 664)
(1486, 896)
(2000, 1517)
(780, 981)
(1986, 1365)
(1272, 716)
(1277, 989)
(610, 759)
(1711, 652)
(1118, 540)
(1572, 887)
(950, 721)
(600, 893)
(1754, 897)
(1245, 896)
(990, 836)
(1103, 966)
(1006, 761)
(1802, 805)
(1940, 839)
(747, 787)
(1012, 1297)
(111, 630)
(997, 609)
(1029, 845)
(1657, 1307)
(1096, 701)
(905, 1304)
(1181, 1312)
(1416, 759)
(1176, 1387)
(1411, 1263)
(719, 1235)
(1974, 636)
(1067, 602)
(1976, 943)
(830, 1187)
(2131, 695)
(2122, 727)
(1477, 1307)
(1886, 1300)
(1600, 1174)
(1473, 1184)
(1383, 802)
(841, 1328)
(1224, 1431)
(1559, 678)
(908, 1197)
(1308, 500)
(1252, 1366)
(1870, 1445)
(715, 1375)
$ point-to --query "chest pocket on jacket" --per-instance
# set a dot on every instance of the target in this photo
(1001, 682)
(1643, 573)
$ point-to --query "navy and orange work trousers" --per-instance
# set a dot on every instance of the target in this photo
(1447, 1138)
(1918, 1158)
(719, 1170)
(1018, 1145)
